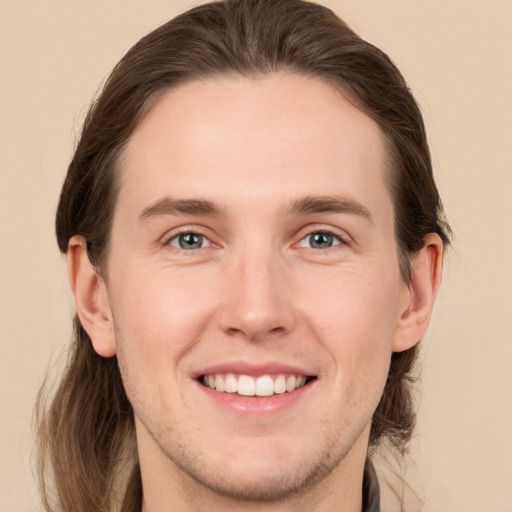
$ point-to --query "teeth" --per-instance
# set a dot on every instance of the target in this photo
(290, 383)
(231, 383)
(219, 383)
(245, 385)
(265, 386)
(280, 384)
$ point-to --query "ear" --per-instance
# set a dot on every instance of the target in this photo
(419, 294)
(91, 298)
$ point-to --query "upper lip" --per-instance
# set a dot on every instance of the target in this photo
(252, 369)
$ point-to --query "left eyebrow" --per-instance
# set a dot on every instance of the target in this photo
(329, 204)
(170, 206)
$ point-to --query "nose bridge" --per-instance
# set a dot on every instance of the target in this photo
(259, 302)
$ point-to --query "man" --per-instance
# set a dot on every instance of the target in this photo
(254, 243)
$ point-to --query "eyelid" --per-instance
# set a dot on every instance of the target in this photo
(306, 241)
(183, 230)
(341, 235)
(204, 241)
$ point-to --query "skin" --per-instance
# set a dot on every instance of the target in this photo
(256, 291)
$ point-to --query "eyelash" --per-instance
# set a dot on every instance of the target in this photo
(176, 236)
(338, 240)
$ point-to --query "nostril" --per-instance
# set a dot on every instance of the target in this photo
(277, 330)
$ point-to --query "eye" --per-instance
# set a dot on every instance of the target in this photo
(189, 241)
(320, 240)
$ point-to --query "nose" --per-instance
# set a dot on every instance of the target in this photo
(258, 299)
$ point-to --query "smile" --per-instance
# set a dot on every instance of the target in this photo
(247, 385)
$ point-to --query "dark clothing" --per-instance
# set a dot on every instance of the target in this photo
(371, 491)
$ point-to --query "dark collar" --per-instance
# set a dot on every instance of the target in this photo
(371, 491)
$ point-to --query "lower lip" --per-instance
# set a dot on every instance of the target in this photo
(256, 405)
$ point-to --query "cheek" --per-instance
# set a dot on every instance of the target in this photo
(157, 324)
(355, 317)
(360, 345)
(354, 304)
(158, 320)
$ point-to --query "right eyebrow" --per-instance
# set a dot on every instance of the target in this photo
(170, 206)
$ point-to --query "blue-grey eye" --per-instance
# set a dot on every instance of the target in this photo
(189, 241)
(319, 240)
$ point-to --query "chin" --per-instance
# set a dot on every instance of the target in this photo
(262, 479)
(257, 487)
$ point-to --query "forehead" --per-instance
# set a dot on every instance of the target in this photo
(243, 140)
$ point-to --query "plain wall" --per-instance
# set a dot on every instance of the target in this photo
(456, 56)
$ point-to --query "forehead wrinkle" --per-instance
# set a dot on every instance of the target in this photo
(170, 206)
(329, 204)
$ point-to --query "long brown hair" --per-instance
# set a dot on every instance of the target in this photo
(86, 433)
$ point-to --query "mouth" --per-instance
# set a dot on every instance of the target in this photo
(266, 385)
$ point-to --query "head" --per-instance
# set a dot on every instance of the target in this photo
(249, 51)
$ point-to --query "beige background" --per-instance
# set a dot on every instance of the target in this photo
(456, 56)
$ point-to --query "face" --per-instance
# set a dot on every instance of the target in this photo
(253, 283)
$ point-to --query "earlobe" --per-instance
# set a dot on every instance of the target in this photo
(91, 298)
(426, 270)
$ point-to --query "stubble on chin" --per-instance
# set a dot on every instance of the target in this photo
(289, 481)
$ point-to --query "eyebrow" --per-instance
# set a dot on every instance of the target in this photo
(329, 204)
(304, 206)
(170, 206)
